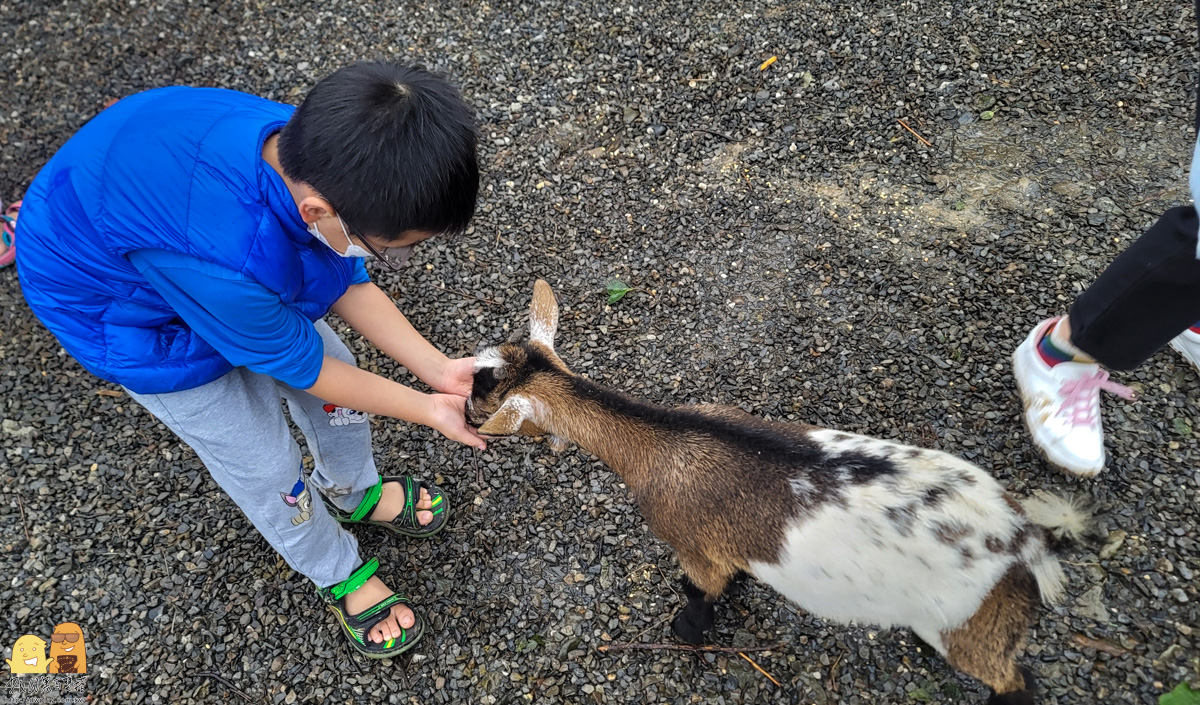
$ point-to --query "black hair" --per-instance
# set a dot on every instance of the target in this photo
(391, 147)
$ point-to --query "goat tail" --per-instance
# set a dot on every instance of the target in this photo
(1066, 521)
(1051, 580)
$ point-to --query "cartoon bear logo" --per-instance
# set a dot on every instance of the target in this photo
(341, 416)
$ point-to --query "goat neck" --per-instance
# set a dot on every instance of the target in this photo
(615, 428)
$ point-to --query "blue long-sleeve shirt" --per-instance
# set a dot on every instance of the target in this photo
(240, 318)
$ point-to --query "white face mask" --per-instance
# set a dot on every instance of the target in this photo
(351, 251)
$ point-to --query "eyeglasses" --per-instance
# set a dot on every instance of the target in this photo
(393, 258)
(69, 638)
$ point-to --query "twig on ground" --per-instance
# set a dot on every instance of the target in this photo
(714, 133)
(1104, 645)
(759, 668)
(661, 622)
(688, 647)
(350, 656)
(223, 681)
(833, 672)
(905, 126)
(402, 672)
(1153, 197)
(473, 296)
(25, 526)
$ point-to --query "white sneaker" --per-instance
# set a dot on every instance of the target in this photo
(1188, 345)
(1062, 406)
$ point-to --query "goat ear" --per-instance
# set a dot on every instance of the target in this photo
(543, 315)
(507, 420)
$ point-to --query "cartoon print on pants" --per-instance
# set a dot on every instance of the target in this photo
(300, 498)
(341, 416)
(335, 492)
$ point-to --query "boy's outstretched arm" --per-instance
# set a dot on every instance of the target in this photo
(373, 314)
(249, 326)
(346, 385)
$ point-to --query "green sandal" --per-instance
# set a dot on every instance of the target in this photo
(356, 626)
(406, 521)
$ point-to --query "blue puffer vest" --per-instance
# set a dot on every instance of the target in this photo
(176, 169)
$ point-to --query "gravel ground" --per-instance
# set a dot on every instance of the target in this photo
(796, 251)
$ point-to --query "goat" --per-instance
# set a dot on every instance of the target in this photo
(850, 528)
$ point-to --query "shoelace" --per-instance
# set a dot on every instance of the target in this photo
(1080, 396)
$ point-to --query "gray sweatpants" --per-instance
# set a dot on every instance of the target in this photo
(237, 427)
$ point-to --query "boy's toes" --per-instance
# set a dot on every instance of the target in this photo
(405, 617)
(383, 631)
(424, 518)
(390, 628)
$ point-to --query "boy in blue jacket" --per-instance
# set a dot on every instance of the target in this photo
(186, 244)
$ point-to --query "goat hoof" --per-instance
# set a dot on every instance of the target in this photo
(1028, 696)
(688, 631)
(1017, 697)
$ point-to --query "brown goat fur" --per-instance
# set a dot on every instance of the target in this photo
(986, 646)
(685, 478)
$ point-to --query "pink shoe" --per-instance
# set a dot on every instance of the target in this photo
(9, 235)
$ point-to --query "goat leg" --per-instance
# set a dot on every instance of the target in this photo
(703, 583)
(696, 617)
(737, 583)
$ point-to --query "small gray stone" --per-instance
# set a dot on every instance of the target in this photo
(1090, 605)
(1116, 539)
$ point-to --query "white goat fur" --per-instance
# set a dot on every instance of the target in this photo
(853, 564)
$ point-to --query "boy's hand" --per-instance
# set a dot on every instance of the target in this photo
(457, 377)
(448, 417)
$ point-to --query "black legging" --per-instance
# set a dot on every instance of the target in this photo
(1148, 295)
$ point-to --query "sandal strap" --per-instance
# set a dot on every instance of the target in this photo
(409, 513)
(369, 501)
(356, 579)
(412, 495)
(378, 609)
(360, 624)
